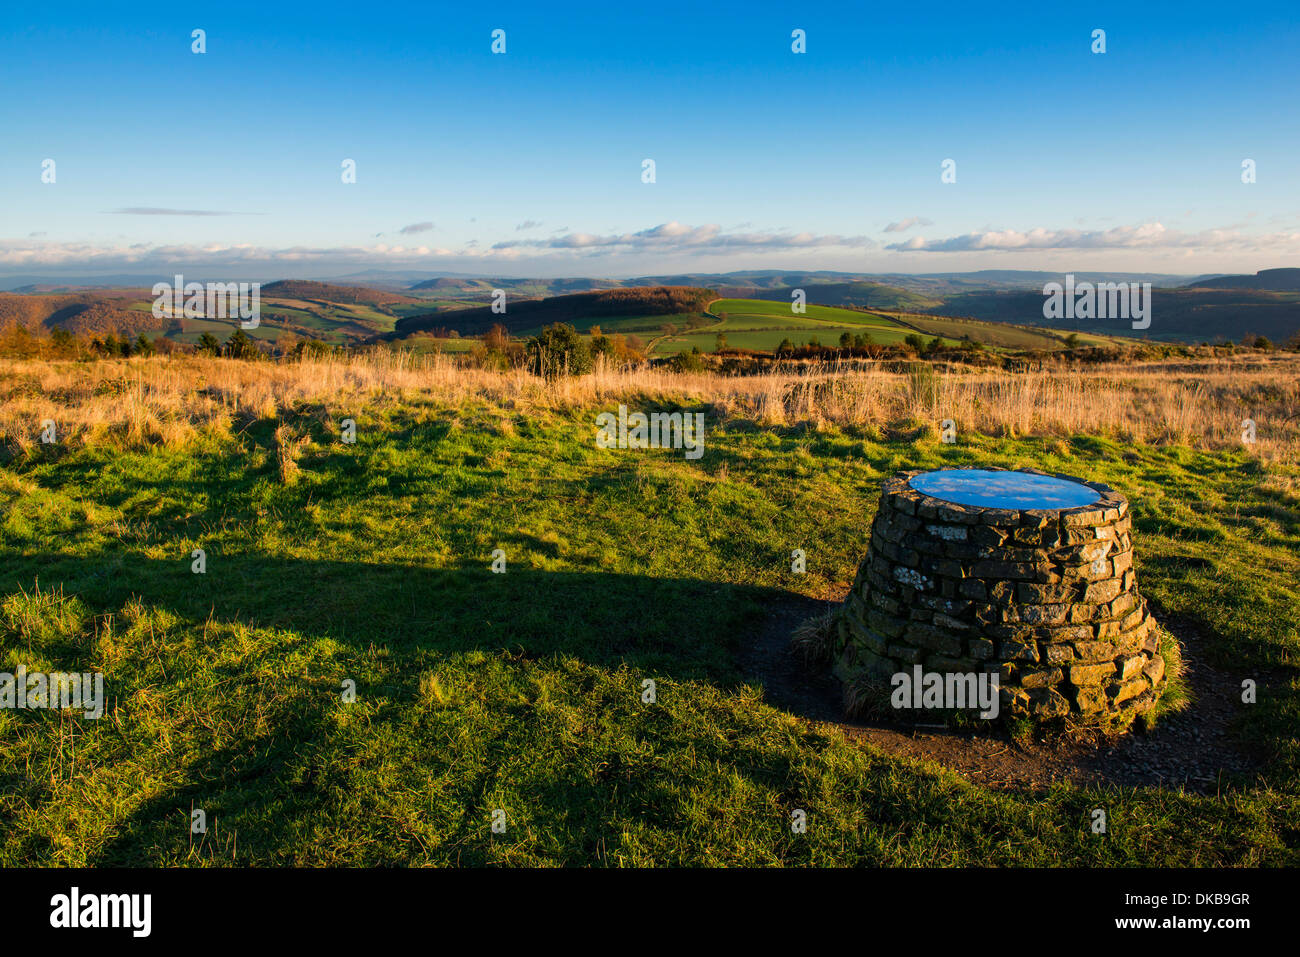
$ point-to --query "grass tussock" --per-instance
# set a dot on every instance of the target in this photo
(867, 698)
(813, 641)
(289, 443)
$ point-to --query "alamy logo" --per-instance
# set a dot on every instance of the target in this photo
(36, 689)
(950, 691)
(102, 910)
(658, 430)
(214, 300)
(1104, 300)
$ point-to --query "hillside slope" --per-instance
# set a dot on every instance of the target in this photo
(305, 289)
(1274, 280)
(573, 308)
(84, 314)
(1182, 315)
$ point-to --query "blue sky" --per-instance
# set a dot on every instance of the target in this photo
(529, 163)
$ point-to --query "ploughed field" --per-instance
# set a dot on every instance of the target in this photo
(329, 563)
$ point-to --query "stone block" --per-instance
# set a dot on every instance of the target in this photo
(1042, 678)
(1057, 654)
(1090, 674)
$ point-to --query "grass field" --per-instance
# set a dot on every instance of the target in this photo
(762, 325)
(995, 335)
(329, 562)
(643, 326)
(333, 322)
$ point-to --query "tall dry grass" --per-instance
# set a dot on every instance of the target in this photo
(170, 400)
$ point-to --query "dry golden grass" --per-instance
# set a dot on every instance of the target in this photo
(169, 400)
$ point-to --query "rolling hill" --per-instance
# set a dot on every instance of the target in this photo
(762, 325)
(862, 295)
(1212, 309)
(89, 314)
(329, 292)
(1273, 280)
(576, 309)
(1177, 315)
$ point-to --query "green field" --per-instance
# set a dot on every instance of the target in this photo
(761, 325)
(642, 326)
(334, 322)
(523, 691)
(421, 344)
(994, 335)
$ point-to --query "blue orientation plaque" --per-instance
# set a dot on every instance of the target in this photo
(986, 488)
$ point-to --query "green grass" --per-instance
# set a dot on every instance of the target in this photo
(762, 312)
(335, 323)
(996, 335)
(643, 326)
(522, 691)
(223, 329)
(762, 325)
(422, 344)
(767, 340)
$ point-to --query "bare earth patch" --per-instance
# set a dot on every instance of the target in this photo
(1194, 750)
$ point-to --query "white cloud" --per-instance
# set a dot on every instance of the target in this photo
(674, 246)
(1144, 236)
(22, 253)
(675, 236)
(164, 211)
(903, 225)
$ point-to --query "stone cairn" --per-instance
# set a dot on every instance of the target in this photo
(1046, 598)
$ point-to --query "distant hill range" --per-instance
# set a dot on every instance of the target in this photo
(1184, 315)
(552, 287)
(304, 289)
(851, 288)
(1273, 280)
(386, 307)
(421, 284)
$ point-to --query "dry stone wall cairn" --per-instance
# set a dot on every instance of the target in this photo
(1048, 599)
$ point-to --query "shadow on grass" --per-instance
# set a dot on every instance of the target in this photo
(598, 629)
(687, 627)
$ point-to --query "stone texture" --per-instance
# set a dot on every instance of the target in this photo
(1047, 599)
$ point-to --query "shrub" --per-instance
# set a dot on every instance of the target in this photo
(557, 351)
(688, 361)
(311, 348)
(240, 346)
(497, 350)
